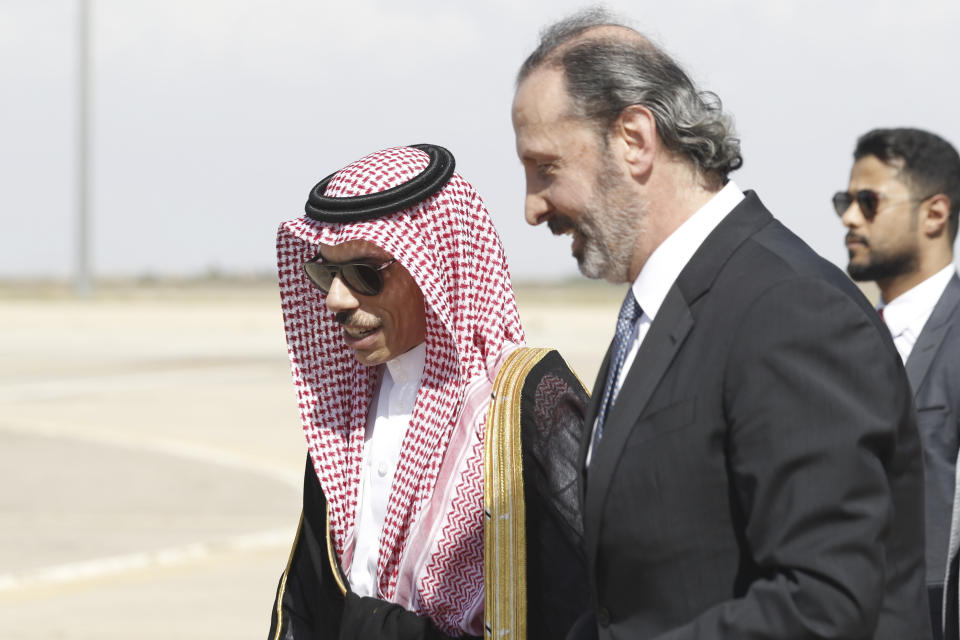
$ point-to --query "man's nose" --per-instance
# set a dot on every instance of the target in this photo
(852, 216)
(536, 209)
(340, 297)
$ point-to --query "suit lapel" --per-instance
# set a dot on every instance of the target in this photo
(664, 340)
(923, 352)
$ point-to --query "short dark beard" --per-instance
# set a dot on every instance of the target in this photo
(884, 267)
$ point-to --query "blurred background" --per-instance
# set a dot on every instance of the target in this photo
(150, 451)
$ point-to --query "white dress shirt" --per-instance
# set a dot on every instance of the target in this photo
(387, 423)
(906, 314)
(665, 264)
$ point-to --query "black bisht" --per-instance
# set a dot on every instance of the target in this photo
(311, 602)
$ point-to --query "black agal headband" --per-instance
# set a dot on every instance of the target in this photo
(374, 205)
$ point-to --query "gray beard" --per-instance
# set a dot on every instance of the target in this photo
(600, 260)
(612, 224)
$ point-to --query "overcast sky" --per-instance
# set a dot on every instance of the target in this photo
(213, 118)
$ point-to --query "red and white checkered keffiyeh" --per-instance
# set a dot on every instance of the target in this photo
(431, 548)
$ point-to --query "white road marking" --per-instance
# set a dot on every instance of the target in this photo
(152, 444)
(109, 384)
(80, 571)
(175, 556)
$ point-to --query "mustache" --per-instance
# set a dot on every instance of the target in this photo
(559, 224)
(354, 319)
(855, 237)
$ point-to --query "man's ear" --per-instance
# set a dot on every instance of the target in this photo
(936, 216)
(636, 129)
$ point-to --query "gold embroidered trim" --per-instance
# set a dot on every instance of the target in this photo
(504, 533)
(283, 580)
(332, 557)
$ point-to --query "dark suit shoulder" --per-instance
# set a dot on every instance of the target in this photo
(750, 249)
(786, 256)
(775, 281)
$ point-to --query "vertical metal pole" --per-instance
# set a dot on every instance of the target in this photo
(82, 282)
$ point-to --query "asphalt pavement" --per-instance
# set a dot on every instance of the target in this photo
(151, 456)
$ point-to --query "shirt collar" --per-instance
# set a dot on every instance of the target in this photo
(914, 306)
(668, 260)
(407, 368)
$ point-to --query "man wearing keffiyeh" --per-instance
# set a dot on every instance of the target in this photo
(399, 313)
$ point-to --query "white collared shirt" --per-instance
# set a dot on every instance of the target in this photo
(387, 423)
(665, 264)
(906, 314)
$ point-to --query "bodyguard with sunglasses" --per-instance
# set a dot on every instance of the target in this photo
(900, 210)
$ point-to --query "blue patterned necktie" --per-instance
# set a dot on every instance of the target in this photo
(626, 321)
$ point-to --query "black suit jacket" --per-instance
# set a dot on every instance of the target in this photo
(933, 368)
(760, 473)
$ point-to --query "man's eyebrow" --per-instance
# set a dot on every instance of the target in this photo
(532, 154)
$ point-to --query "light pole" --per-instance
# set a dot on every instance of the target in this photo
(82, 283)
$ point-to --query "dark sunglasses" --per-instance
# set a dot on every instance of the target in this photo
(365, 279)
(867, 200)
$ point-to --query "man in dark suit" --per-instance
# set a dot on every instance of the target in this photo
(752, 467)
(900, 210)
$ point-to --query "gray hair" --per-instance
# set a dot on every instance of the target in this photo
(606, 74)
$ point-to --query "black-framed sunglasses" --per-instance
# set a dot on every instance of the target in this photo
(867, 200)
(363, 278)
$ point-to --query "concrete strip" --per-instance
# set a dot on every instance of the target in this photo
(174, 556)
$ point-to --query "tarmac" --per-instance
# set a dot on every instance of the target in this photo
(151, 456)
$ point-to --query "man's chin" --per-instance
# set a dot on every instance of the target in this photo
(588, 268)
(860, 272)
(856, 271)
(599, 267)
(611, 275)
(370, 358)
